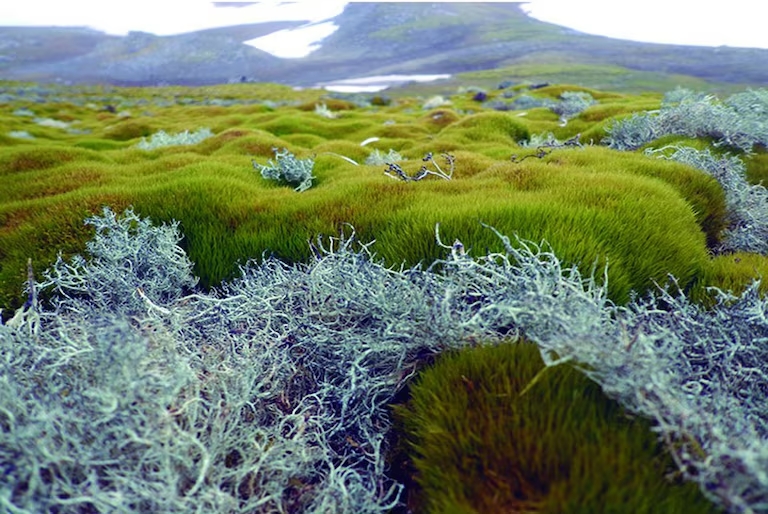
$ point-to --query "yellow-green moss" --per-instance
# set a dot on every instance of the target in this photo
(757, 167)
(731, 273)
(486, 127)
(592, 204)
(127, 128)
(480, 444)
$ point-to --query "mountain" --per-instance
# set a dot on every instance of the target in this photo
(83, 55)
(372, 39)
(383, 38)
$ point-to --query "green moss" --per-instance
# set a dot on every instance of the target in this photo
(19, 159)
(128, 129)
(757, 167)
(40, 228)
(592, 204)
(307, 123)
(486, 127)
(594, 76)
(731, 273)
(334, 104)
(257, 143)
(586, 217)
(41, 184)
(618, 107)
(304, 140)
(437, 119)
(480, 442)
(99, 144)
(556, 90)
(701, 191)
(403, 131)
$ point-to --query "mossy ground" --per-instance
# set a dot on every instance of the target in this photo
(601, 77)
(593, 205)
(483, 441)
(643, 217)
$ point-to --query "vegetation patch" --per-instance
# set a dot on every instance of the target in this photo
(656, 200)
(553, 443)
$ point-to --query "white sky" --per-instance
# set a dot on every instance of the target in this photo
(685, 22)
(161, 17)
(732, 23)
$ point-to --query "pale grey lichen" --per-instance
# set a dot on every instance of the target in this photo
(161, 139)
(288, 168)
(268, 394)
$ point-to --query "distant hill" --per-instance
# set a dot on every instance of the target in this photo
(382, 38)
(372, 39)
(82, 55)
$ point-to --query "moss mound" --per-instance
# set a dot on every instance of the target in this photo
(484, 438)
(592, 204)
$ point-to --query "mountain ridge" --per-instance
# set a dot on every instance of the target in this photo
(372, 39)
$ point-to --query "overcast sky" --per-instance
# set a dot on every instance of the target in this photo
(732, 23)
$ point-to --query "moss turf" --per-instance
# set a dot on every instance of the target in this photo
(643, 217)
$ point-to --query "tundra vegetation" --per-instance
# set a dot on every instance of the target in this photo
(242, 299)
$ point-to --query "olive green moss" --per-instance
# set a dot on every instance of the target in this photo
(126, 129)
(487, 127)
(333, 104)
(594, 205)
(478, 437)
(731, 273)
(757, 167)
(605, 78)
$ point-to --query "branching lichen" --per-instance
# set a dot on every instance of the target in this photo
(395, 171)
(287, 168)
(162, 139)
(269, 393)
